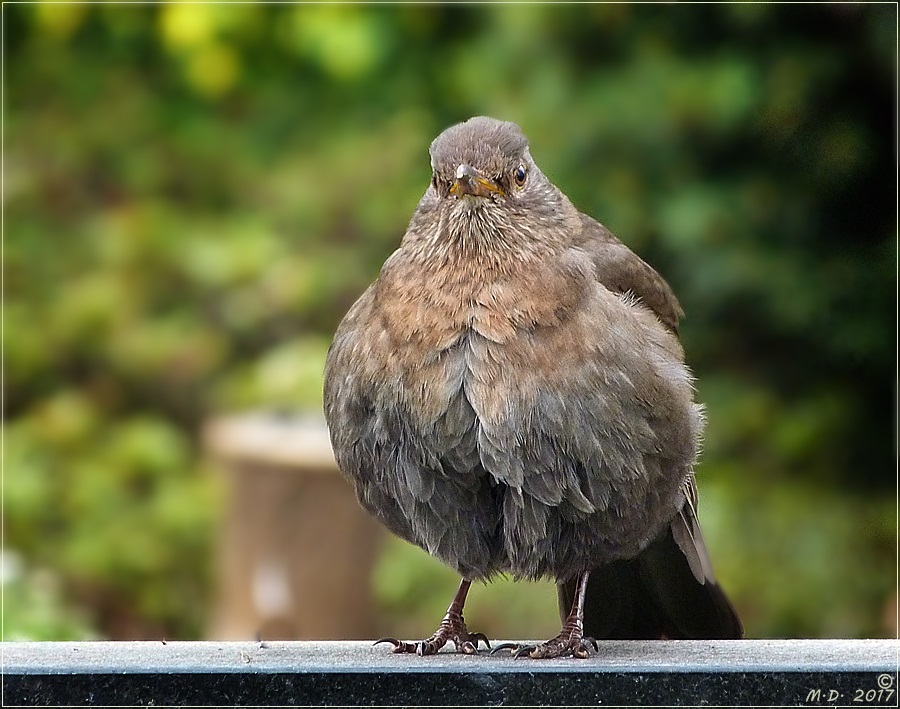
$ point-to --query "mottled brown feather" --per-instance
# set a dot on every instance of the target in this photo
(511, 394)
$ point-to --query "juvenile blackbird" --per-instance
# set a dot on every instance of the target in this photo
(511, 396)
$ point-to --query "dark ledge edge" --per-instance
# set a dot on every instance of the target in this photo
(353, 673)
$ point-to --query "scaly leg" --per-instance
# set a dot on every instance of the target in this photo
(452, 627)
(570, 641)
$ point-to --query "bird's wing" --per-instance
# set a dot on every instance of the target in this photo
(688, 536)
(668, 589)
(619, 269)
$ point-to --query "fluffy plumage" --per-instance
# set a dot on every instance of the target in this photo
(510, 394)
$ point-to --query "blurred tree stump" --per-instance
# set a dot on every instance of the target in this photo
(296, 551)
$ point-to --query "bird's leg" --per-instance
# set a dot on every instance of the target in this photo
(570, 641)
(452, 627)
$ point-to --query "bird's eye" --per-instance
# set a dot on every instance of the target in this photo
(519, 175)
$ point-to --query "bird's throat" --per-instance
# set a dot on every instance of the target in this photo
(482, 236)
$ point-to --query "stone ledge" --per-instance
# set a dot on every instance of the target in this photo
(667, 673)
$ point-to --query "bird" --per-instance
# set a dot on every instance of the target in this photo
(511, 396)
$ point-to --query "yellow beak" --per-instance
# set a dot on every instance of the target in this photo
(470, 182)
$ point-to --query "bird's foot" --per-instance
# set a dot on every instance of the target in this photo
(452, 628)
(570, 641)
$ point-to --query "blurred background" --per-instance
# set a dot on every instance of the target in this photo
(195, 194)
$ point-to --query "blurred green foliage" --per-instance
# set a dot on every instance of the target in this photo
(194, 195)
(34, 606)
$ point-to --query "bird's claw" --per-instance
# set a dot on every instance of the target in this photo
(517, 650)
(464, 641)
(475, 638)
(466, 647)
(399, 645)
(505, 646)
(560, 646)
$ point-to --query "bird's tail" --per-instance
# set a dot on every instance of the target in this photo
(667, 591)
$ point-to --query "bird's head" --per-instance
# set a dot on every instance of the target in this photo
(482, 162)
(487, 194)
